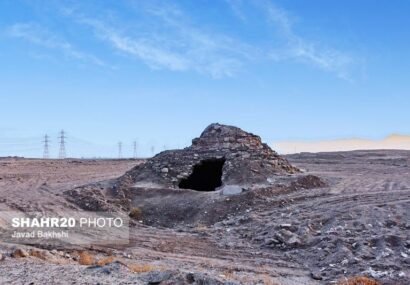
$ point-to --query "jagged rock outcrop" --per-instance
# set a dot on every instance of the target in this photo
(241, 157)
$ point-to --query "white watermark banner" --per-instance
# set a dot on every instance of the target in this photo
(66, 227)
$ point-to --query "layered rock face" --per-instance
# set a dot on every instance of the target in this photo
(222, 155)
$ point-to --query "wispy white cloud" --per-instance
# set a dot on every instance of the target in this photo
(296, 46)
(170, 42)
(143, 48)
(40, 36)
(300, 48)
(170, 37)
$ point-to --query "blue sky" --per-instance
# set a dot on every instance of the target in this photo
(160, 71)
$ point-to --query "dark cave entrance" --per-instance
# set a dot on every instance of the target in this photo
(206, 176)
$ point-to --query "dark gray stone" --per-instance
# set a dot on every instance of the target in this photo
(156, 277)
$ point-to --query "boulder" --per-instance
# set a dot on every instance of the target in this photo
(229, 190)
(156, 277)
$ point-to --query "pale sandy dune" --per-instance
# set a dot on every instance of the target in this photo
(394, 141)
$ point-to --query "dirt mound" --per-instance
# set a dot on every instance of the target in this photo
(191, 185)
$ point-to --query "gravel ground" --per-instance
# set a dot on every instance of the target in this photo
(355, 226)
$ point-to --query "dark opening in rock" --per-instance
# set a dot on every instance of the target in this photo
(206, 176)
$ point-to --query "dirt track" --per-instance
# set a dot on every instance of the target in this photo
(358, 225)
(35, 183)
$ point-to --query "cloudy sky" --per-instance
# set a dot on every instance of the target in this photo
(158, 72)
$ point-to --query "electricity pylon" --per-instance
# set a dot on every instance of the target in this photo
(120, 150)
(135, 150)
(62, 137)
(46, 153)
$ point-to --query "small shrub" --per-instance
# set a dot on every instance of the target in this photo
(359, 281)
(267, 280)
(201, 228)
(228, 274)
(19, 253)
(105, 261)
(135, 213)
(38, 254)
(86, 258)
(141, 268)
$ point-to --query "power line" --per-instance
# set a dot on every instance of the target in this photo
(119, 149)
(135, 150)
(62, 137)
(46, 153)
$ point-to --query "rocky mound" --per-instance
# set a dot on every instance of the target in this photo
(222, 155)
(223, 161)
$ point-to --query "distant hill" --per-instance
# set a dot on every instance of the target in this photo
(394, 141)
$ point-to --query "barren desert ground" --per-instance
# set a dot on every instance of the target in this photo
(356, 225)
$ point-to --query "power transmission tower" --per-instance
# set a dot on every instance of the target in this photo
(62, 138)
(120, 150)
(46, 152)
(135, 150)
